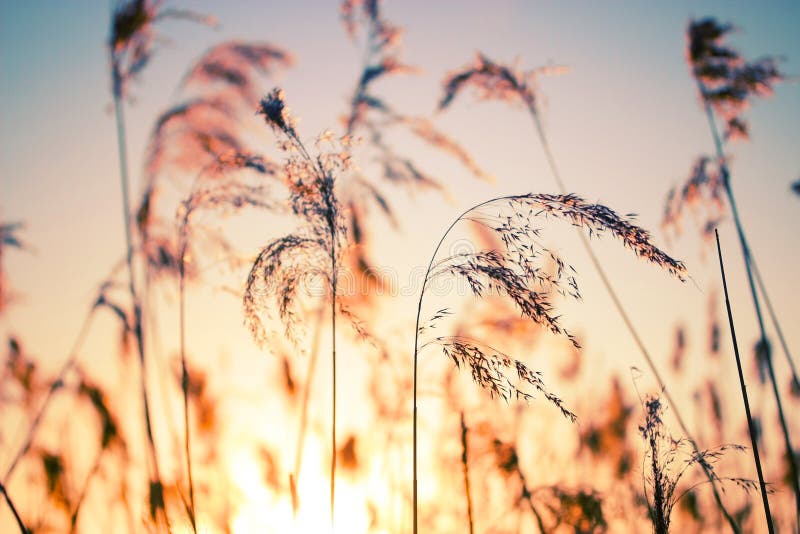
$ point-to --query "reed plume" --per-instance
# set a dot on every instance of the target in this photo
(667, 460)
(371, 117)
(202, 135)
(131, 45)
(200, 131)
(727, 83)
(284, 264)
(220, 194)
(493, 80)
(514, 273)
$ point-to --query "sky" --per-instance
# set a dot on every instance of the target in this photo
(624, 123)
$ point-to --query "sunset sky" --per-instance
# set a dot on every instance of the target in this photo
(625, 124)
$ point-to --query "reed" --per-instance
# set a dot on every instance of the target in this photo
(667, 460)
(496, 81)
(130, 48)
(283, 264)
(514, 273)
(726, 84)
(750, 426)
(22, 528)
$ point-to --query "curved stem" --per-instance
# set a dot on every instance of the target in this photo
(625, 317)
(184, 367)
(416, 343)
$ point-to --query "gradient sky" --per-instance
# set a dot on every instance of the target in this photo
(625, 125)
(624, 122)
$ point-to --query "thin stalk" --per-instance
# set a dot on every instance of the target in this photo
(185, 367)
(756, 304)
(751, 261)
(54, 386)
(750, 426)
(333, 370)
(465, 469)
(626, 318)
(415, 502)
(137, 311)
(14, 511)
(84, 491)
(774, 318)
(527, 496)
(330, 200)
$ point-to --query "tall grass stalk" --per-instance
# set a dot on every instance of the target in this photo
(334, 450)
(748, 262)
(789, 450)
(726, 83)
(750, 426)
(774, 319)
(281, 264)
(210, 191)
(185, 369)
(130, 46)
(54, 386)
(156, 485)
(510, 85)
(14, 511)
(465, 470)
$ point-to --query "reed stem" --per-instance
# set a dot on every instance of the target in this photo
(137, 311)
(625, 317)
(747, 256)
(184, 366)
(750, 426)
(465, 469)
(14, 511)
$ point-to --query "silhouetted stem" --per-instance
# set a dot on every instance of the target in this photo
(750, 426)
(184, 367)
(626, 318)
(137, 311)
(54, 386)
(723, 164)
(84, 491)
(465, 469)
(774, 318)
(333, 364)
(414, 497)
(14, 511)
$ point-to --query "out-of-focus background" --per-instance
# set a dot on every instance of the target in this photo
(625, 124)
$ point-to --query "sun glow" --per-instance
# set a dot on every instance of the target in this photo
(262, 509)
